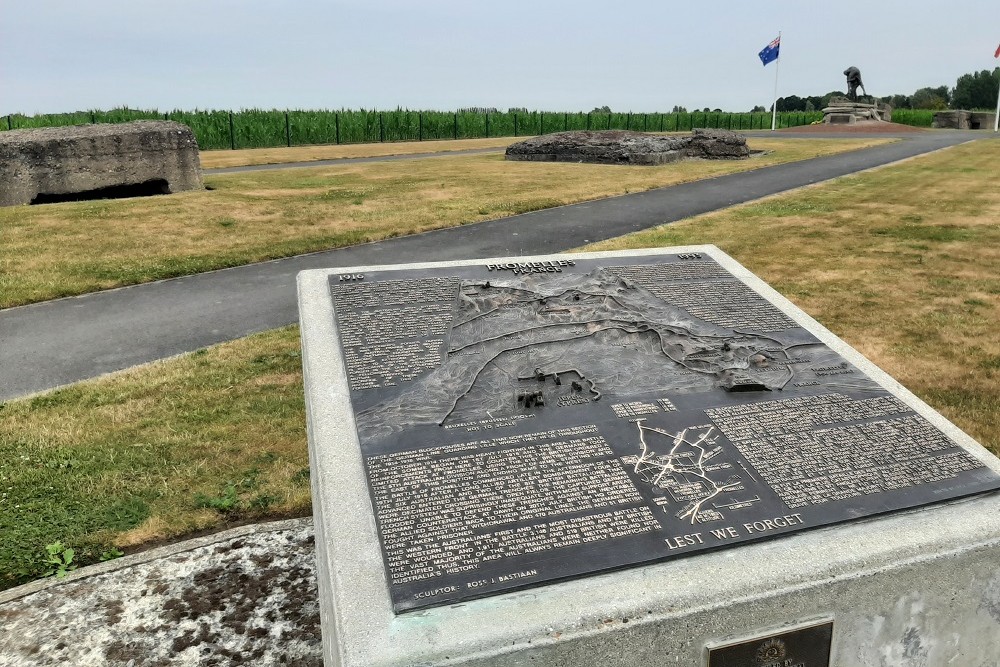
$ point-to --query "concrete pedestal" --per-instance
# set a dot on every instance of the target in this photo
(914, 589)
(843, 111)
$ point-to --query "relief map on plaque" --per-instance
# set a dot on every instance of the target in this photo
(528, 422)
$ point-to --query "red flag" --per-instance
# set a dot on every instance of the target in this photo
(997, 54)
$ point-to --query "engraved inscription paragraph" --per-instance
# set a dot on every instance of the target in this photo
(439, 508)
(393, 330)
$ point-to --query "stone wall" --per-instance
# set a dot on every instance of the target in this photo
(49, 164)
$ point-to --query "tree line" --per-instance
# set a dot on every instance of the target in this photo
(977, 90)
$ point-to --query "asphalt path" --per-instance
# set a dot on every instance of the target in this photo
(57, 342)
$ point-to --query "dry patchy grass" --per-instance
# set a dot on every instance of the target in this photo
(72, 248)
(254, 156)
(154, 452)
(902, 262)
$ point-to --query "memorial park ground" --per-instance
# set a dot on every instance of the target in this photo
(67, 249)
(281, 155)
(902, 262)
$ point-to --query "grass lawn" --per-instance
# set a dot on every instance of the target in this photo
(902, 262)
(72, 248)
(251, 156)
(155, 451)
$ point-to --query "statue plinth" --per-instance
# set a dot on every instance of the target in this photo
(843, 110)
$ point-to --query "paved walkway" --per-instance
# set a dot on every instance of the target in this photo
(58, 342)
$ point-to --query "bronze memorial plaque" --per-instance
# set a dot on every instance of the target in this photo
(534, 421)
(807, 646)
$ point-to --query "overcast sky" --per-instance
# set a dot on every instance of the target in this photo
(58, 55)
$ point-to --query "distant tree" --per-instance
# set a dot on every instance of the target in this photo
(716, 110)
(758, 109)
(809, 105)
(705, 110)
(976, 91)
(816, 101)
(678, 109)
(898, 101)
(930, 98)
(791, 103)
(604, 109)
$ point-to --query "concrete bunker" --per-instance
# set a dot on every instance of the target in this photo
(959, 119)
(86, 162)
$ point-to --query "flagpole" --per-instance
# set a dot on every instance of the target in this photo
(996, 116)
(774, 105)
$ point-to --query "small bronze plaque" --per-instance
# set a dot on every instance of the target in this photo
(803, 647)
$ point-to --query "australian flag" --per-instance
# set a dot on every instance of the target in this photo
(770, 52)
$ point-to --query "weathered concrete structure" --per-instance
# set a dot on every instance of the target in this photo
(981, 120)
(845, 111)
(954, 120)
(97, 161)
(964, 120)
(626, 147)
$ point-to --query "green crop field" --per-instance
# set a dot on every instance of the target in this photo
(260, 128)
(915, 117)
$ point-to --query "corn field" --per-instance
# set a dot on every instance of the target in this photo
(916, 117)
(259, 128)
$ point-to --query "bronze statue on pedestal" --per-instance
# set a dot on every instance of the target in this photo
(853, 75)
